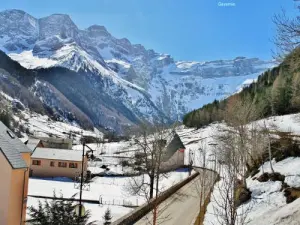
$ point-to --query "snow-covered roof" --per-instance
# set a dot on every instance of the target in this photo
(57, 154)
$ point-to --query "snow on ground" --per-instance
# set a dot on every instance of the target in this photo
(266, 199)
(281, 215)
(197, 141)
(111, 154)
(268, 204)
(30, 61)
(112, 190)
(246, 83)
(107, 187)
(206, 137)
(43, 126)
(267, 207)
(109, 149)
(286, 123)
(97, 211)
(289, 167)
(194, 140)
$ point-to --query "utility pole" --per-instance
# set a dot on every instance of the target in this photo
(82, 185)
(214, 159)
(81, 180)
(190, 161)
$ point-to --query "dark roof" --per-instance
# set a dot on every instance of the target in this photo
(174, 145)
(12, 147)
(32, 143)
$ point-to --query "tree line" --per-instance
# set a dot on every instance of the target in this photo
(276, 92)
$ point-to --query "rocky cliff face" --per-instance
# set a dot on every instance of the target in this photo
(150, 85)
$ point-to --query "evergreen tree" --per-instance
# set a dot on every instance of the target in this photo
(295, 101)
(58, 212)
(282, 93)
(107, 217)
(5, 118)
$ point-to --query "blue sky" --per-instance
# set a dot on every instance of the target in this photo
(185, 29)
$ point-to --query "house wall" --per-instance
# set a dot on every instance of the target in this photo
(45, 170)
(39, 145)
(16, 200)
(5, 174)
(27, 158)
(56, 143)
(176, 160)
(48, 144)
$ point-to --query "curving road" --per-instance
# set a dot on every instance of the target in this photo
(182, 207)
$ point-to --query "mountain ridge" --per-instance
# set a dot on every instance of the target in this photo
(149, 84)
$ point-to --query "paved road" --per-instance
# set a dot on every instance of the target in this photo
(182, 207)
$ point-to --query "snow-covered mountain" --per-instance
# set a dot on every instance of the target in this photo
(149, 85)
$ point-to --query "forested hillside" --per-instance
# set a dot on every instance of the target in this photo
(276, 92)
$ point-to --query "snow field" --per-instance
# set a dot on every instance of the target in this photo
(110, 189)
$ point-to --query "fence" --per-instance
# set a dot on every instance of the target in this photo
(101, 201)
(141, 211)
(119, 202)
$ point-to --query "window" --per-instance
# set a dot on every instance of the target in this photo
(52, 163)
(62, 164)
(36, 162)
(72, 165)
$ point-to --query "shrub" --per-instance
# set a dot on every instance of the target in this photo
(107, 217)
(271, 176)
(57, 211)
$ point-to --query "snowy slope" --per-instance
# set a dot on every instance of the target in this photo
(42, 126)
(268, 204)
(151, 84)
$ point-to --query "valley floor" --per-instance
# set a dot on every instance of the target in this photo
(112, 190)
(268, 204)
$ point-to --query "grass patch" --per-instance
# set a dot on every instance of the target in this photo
(291, 194)
(241, 194)
(203, 208)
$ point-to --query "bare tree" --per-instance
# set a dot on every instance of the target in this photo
(225, 208)
(224, 198)
(205, 180)
(268, 131)
(257, 142)
(149, 157)
(288, 33)
(239, 113)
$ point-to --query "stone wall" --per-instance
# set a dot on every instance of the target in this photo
(141, 211)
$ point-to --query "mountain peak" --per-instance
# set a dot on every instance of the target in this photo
(60, 15)
(20, 27)
(59, 18)
(14, 15)
(14, 11)
(98, 30)
(57, 24)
